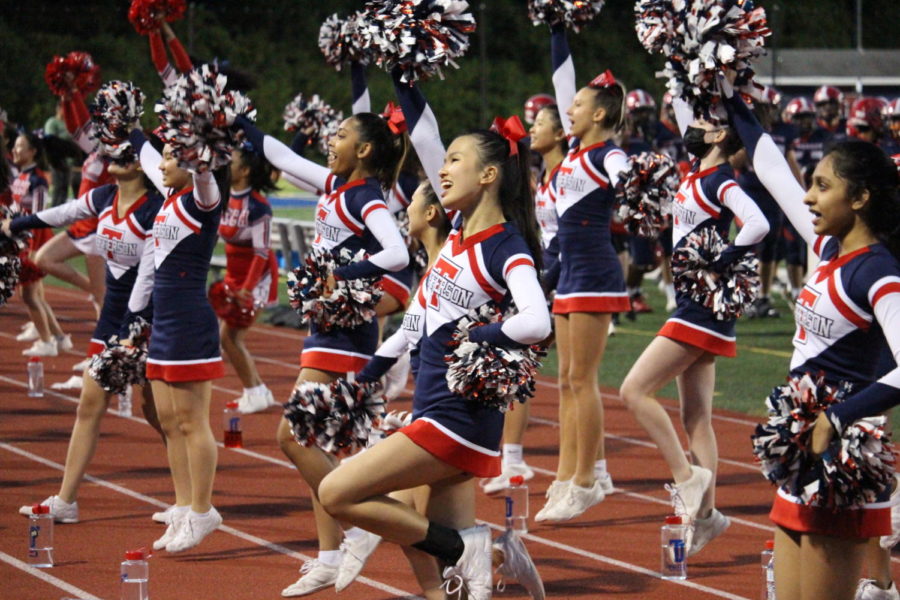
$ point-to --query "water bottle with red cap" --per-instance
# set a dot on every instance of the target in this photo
(231, 419)
(40, 536)
(674, 550)
(767, 561)
(517, 505)
(135, 575)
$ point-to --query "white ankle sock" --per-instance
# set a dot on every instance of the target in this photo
(354, 533)
(512, 454)
(600, 469)
(332, 558)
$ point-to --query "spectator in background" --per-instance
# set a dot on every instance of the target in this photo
(60, 162)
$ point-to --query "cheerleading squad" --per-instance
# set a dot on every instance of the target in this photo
(521, 244)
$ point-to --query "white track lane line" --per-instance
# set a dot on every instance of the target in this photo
(47, 577)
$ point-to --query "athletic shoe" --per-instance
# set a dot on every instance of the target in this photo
(64, 342)
(81, 366)
(686, 497)
(163, 515)
(577, 500)
(867, 590)
(63, 512)
(639, 304)
(472, 572)
(606, 483)
(174, 522)
(889, 541)
(499, 483)
(194, 527)
(41, 348)
(75, 382)
(396, 378)
(356, 552)
(555, 493)
(254, 402)
(29, 333)
(316, 576)
(706, 530)
(517, 564)
(611, 330)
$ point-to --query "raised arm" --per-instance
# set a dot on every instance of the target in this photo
(359, 89)
(206, 191)
(160, 60)
(150, 159)
(78, 121)
(563, 74)
(423, 129)
(684, 114)
(182, 60)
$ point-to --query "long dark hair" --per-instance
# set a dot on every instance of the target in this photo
(553, 111)
(431, 199)
(516, 196)
(260, 169)
(35, 142)
(865, 167)
(388, 149)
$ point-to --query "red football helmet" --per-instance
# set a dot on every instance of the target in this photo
(865, 112)
(636, 99)
(798, 106)
(827, 93)
(771, 95)
(534, 105)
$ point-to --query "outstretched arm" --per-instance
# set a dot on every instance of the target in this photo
(150, 159)
(359, 89)
(563, 74)
(423, 129)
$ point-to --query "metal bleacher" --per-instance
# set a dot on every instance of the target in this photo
(290, 238)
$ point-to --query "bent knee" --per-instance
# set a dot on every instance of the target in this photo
(332, 496)
(631, 392)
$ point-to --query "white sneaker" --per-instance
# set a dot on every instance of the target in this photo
(174, 522)
(81, 366)
(517, 564)
(356, 552)
(29, 333)
(316, 576)
(63, 512)
(472, 572)
(499, 483)
(555, 493)
(194, 527)
(254, 402)
(706, 530)
(687, 496)
(606, 483)
(396, 377)
(611, 330)
(889, 541)
(41, 348)
(867, 590)
(75, 382)
(64, 342)
(163, 516)
(577, 500)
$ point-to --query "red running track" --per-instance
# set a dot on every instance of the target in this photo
(611, 551)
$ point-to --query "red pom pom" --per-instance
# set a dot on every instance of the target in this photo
(145, 15)
(75, 70)
(229, 307)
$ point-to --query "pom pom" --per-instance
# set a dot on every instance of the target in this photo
(340, 41)
(115, 111)
(700, 39)
(350, 304)
(418, 37)
(490, 374)
(197, 114)
(338, 417)
(15, 244)
(118, 366)
(10, 266)
(645, 192)
(571, 13)
(229, 307)
(726, 294)
(312, 114)
(75, 70)
(855, 469)
(146, 15)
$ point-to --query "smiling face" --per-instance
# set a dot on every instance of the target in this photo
(173, 176)
(23, 153)
(546, 132)
(463, 176)
(583, 113)
(833, 211)
(343, 149)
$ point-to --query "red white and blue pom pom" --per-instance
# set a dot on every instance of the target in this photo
(489, 374)
(420, 37)
(727, 294)
(341, 42)
(312, 114)
(12, 248)
(75, 70)
(855, 469)
(645, 193)
(145, 15)
(351, 302)
(115, 111)
(700, 39)
(10, 267)
(196, 116)
(230, 307)
(338, 417)
(117, 367)
(574, 14)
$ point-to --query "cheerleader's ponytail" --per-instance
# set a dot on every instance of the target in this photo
(610, 96)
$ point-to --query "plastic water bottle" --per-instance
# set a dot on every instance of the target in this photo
(517, 505)
(40, 536)
(767, 561)
(674, 552)
(125, 407)
(135, 576)
(232, 422)
(35, 377)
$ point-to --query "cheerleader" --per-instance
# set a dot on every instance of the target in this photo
(847, 314)
(29, 190)
(251, 271)
(591, 284)
(363, 157)
(686, 347)
(125, 213)
(184, 342)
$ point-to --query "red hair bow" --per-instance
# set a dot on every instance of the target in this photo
(395, 119)
(604, 79)
(511, 129)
